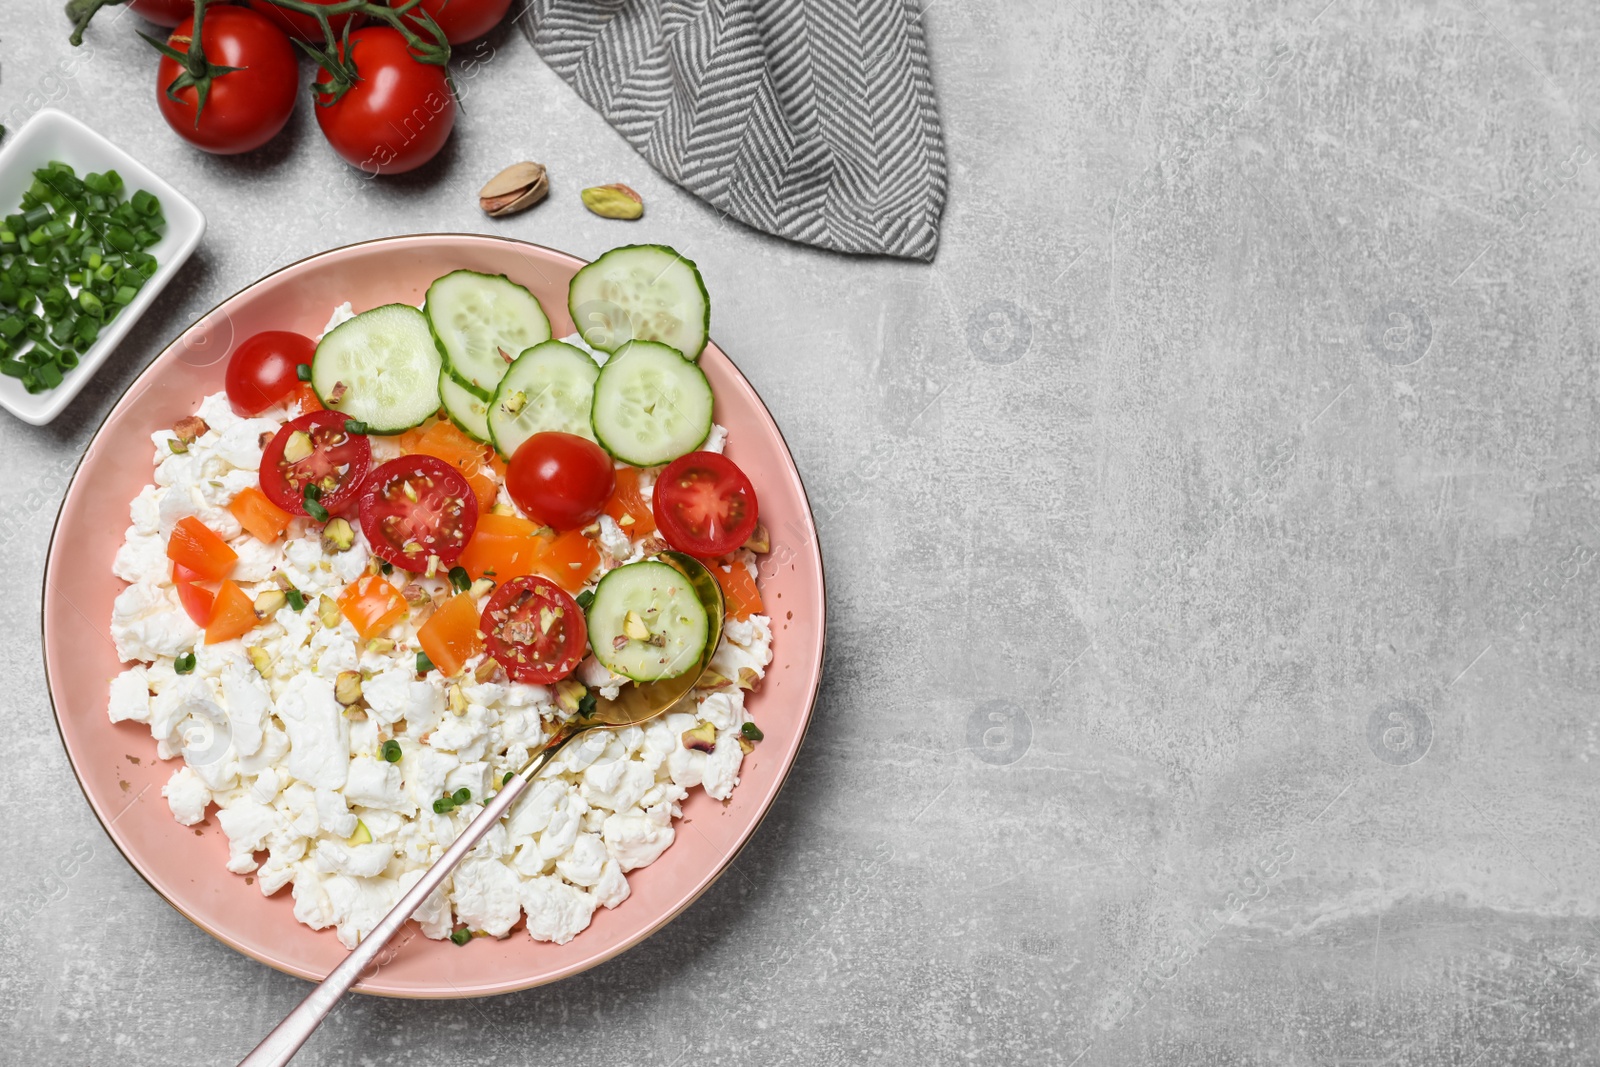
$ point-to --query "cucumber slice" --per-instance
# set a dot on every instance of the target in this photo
(647, 623)
(651, 405)
(645, 293)
(465, 408)
(476, 317)
(549, 387)
(381, 368)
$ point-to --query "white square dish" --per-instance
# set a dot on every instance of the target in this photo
(55, 135)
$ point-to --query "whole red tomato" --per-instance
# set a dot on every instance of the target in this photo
(246, 107)
(265, 370)
(461, 20)
(560, 479)
(303, 26)
(397, 114)
(162, 12)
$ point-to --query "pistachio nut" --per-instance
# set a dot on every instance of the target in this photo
(615, 201)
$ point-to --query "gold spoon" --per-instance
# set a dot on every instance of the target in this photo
(634, 705)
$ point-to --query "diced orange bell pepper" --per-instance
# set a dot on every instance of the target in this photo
(232, 614)
(502, 547)
(739, 589)
(306, 397)
(451, 636)
(196, 601)
(627, 504)
(569, 560)
(261, 518)
(444, 440)
(372, 605)
(194, 545)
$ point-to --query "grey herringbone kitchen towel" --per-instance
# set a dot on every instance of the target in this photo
(810, 119)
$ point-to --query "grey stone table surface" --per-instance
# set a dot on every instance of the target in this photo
(1210, 533)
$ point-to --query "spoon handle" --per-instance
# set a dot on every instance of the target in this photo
(279, 1047)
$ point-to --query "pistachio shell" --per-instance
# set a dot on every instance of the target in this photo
(517, 188)
(614, 201)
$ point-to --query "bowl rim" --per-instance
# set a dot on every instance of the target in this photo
(53, 402)
(575, 969)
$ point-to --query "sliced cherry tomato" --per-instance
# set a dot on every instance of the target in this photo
(627, 505)
(261, 518)
(246, 105)
(372, 604)
(739, 590)
(534, 630)
(336, 463)
(265, 370)
(194, 545)
(303, 26)
(232, 615)
(451, 635)
(569, 560)
(560, 479)
(704, 505)
(196, 601)
(415, 507)
(476, 462)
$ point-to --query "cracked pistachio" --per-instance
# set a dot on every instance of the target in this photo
(702, 738)
(517, 188)
(269, 603)
(347, 687)
(338, 536)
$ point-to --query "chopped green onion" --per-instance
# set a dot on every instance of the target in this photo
(461, 936)
(386, 567)
(303, 372)
(585, 598)
(460, 580)
(184, 663)
(58, 282)
(391, 751)
(352, 425)
(424, 664)
(751, 731)
(462, 796)
(443, 806)
(313, 496)
(507, 779)
(297, 599)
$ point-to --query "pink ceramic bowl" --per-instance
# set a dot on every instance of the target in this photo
(117, 766)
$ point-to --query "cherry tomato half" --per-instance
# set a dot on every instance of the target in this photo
(415, 507)
(397, 116)
(299, 25)
(336, 464)
(247, 106)
(560, 479)
(265, 370)
(461, 20)
(534, 630)
(704, 505)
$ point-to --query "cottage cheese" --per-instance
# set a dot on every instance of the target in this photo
(299, 786)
